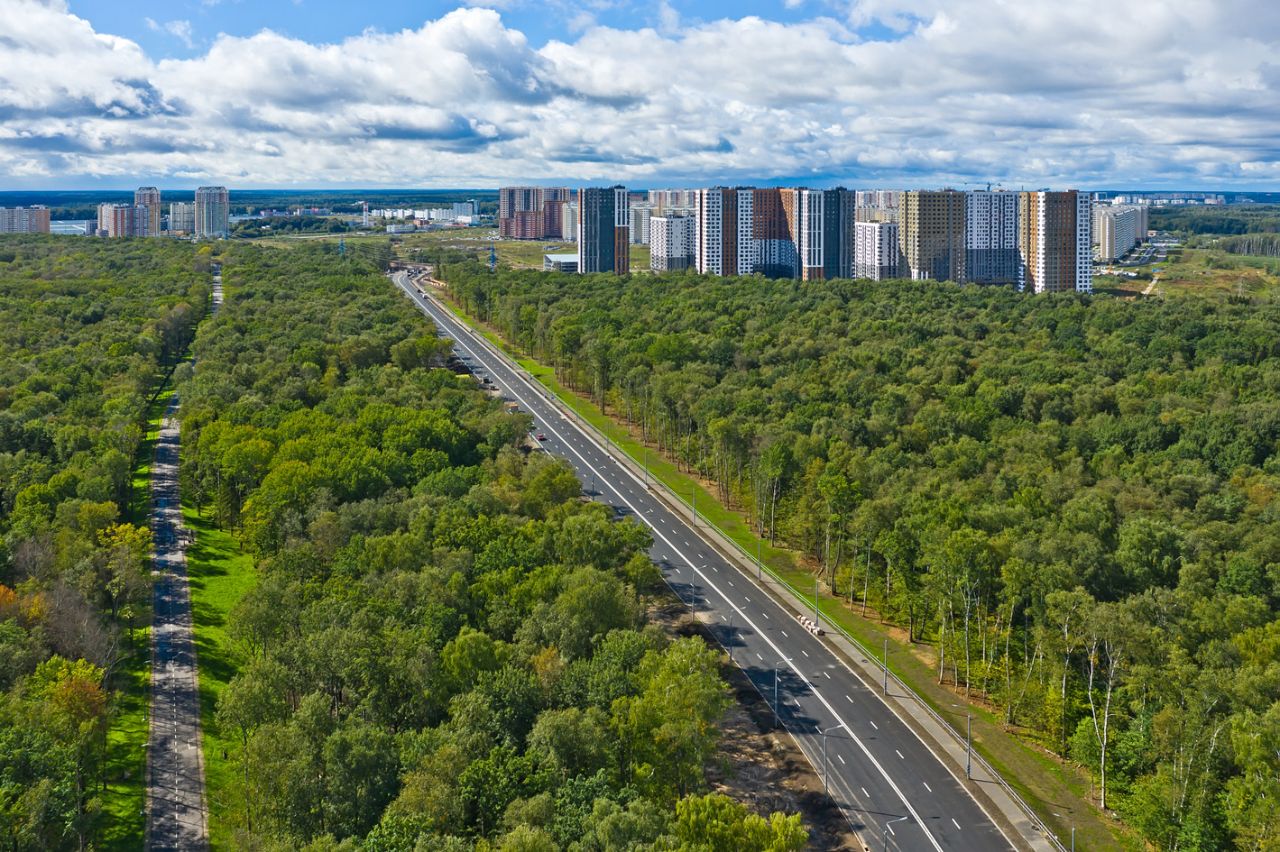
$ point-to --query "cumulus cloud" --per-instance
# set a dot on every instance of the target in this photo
(1034, 93)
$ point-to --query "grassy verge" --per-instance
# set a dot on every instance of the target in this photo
(220, 574)
(1056, 791)
(124, 799)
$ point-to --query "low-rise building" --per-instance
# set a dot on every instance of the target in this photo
(560, 263)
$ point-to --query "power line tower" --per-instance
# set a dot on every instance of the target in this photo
(342, 247)
(493, 257)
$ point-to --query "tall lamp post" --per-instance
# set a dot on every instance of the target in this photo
(784, 661)
(826, 767)
(888, 829)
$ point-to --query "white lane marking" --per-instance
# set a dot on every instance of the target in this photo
(762, 612)
(847, 698)
(900, 757)
(874, 725)
(760, 658)
(926, 786)
(841, 759)
(731, 584)
(827, 676)
(956, 824)
(865, 793)
(784, 633)
(791, 665)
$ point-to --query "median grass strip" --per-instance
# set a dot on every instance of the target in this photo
(220, 574)
(1056, 791)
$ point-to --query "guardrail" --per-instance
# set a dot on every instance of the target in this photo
(622, 456)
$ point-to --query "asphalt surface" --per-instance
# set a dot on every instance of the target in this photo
(176, 816)
(893, 790)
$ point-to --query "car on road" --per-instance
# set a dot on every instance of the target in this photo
(541, 436)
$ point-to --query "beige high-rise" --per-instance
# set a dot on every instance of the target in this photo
(931, 235)
(148, 197)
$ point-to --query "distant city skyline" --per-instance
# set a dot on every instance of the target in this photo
(893, 93)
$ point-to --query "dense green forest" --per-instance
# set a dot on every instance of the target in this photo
(289, 225)
(1071, 500)
(447, 646)
(1220, 220)
(87, 328)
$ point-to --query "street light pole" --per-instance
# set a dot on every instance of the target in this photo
(817, 619)
(759, 561)
(776, 717)
(968, 744)
(888, 829)
(826, 767)
(886, 666)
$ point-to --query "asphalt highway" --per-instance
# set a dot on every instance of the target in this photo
(894, 791)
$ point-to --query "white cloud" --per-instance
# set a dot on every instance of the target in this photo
(1034, 93)
(179, 29)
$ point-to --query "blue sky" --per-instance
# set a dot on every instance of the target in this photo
(333, 20)
(890, 93)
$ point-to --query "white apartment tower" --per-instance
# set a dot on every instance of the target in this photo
(875, 251)
(991, 237)
(671, 242)
(810, 241)
(725, 245)
(1118, 228)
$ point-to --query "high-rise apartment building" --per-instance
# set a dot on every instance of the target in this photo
(24, 220)
(621, 231)
(569, 221)
(1118, 228)
(520, 215)
(532, 212)
(931, 235)
(602, 230)
(121, 220)
(724, 240)
(554, 198)
(149, 198)
(665, 200)
(212, 212)
(672, 242)
(876, 252)
(182, 217)
(811, 233)
(877, 205)
(640, 215)
(1055, 242)
(773, 234)
(991, 237)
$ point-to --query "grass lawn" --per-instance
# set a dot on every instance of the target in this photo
(124, 800)
(1056, 791)
(220, 574)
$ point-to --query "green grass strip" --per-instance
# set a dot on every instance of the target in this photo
(220, 574)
